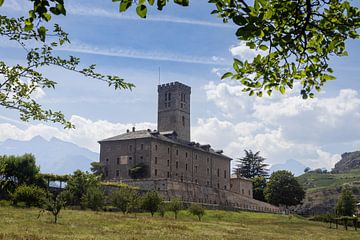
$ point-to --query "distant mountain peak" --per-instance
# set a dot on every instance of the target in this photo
(53, 156)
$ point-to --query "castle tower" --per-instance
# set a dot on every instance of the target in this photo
(174, 109)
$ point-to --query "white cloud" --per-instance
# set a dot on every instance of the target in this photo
(244, 52)
(80, 47)
(284, 127)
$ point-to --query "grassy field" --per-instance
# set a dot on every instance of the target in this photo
(314, 181)
(17, 223)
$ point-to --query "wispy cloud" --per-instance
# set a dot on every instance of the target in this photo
(75, 9)
(148, 55)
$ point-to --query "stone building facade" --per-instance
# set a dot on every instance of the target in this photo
(172, 163)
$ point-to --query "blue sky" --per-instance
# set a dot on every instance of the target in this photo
(194, 47)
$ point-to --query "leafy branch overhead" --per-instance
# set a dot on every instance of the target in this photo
(19, 83)
(298, 38)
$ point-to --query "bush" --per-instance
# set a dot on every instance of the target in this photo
(196, 210)
(175, 206)
(29, 194)
(162, 209)
(151, 202)
(93, 199)
(125, 199)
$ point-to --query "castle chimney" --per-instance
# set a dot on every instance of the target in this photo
(133, 129)
(127, 130)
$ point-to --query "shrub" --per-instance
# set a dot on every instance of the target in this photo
(175, 206)
(93, 199)
(162, 209)
(29, 194)
(151, 202)
(125, 199)
(345, 205)
(196, 210)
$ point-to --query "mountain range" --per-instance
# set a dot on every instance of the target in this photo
(53, 156)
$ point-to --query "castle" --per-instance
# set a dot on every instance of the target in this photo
(166, 160)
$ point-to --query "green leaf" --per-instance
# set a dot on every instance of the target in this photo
(151, 2)
(47, 16)
(226, 75)
(1, 2)
(263, 47)
(282, 89)
(141, 10)
(124, 5)
(182, 2)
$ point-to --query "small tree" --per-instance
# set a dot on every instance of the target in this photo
(78, 185)
(125, 199)
(283, 189)
(151, 202)
(162, 209)
(98, 169)
(54, 204)
(175, 206)
(259, 184)
(250, 166)
(196, 210)
(93, 199)
(307, 169)
(345, 205)
(29, 194)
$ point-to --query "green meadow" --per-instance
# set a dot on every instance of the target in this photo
(22, 223)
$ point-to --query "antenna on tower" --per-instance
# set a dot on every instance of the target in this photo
(159, 76)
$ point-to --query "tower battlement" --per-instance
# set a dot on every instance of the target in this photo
(174, 109)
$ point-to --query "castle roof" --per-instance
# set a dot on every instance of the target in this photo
(169, 136)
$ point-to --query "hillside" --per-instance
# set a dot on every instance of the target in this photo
(323, 190)
(53, 156)
(19, 223)
(349, 161)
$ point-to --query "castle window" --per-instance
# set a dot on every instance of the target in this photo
(218, 172)
(186, 154)
(181, 105)
(130, 158)
(207, 183)
(224, 173)
(195, 180)
(168, 162)
(195, 168)
(118, 161)
(186, 167)
(168, 174)
(231, 185)
(166, 97)
(168, 150)
(141, 157)
(225, 187)
(177, 152)
(218, 185)
(130, 148)
(183, 121)
(169, 96)
(242, 191)
(155, 160)
(142, 146)
(117, 173)
(155, 147)
(208, 171)
(196, 156)
(107, 159)
(155, 172)
(177, 164)
(106, 173)
(207, 160)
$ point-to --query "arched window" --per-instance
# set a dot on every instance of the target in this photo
(183, 121)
